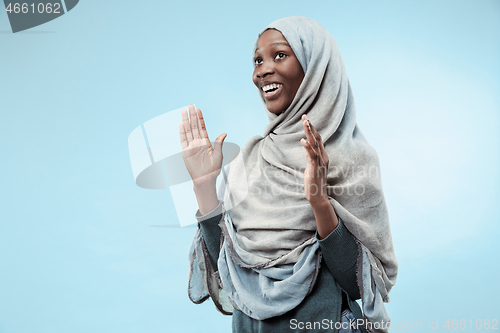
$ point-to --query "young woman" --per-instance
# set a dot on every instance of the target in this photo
(309, 231)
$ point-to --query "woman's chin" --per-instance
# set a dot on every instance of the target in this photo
(276, 110)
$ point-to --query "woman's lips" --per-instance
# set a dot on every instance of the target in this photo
(273, 94)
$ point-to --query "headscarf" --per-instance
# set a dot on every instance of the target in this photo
(272, 222)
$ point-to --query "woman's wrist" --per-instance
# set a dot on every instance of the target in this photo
(326, 219)
(206, 196)
(319, 202)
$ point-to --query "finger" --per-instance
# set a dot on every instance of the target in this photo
(311, 153)
(317, 141)
(194, 122)
(182, 135)
(317, 137)
(218, 143)
(202, 127)
(312, 130)
(187, 126)
(319, 145)
(307, 129)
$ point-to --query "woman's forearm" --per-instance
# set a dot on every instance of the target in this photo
(326, 219)
(206, 195)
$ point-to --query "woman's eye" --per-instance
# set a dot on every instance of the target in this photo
(280, 55)
(258, 61)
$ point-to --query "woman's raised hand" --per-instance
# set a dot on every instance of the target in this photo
(202, 161)
(315, 175)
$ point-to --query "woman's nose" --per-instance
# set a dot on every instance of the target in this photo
(266, 68)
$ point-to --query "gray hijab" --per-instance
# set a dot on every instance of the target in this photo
(273, 222)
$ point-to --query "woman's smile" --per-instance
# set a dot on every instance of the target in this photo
(278, 73)
(271, 90)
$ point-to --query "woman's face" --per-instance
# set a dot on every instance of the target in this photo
(278, 73)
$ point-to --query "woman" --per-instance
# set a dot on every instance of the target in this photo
(298, 246)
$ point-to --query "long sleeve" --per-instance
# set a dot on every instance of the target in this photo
(340, 253)
(209, 225)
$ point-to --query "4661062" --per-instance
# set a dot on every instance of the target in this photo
(478, 324)
(25, 8)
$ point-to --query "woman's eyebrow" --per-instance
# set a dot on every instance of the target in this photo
(278, 43)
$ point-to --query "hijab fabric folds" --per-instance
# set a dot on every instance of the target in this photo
(274, 225)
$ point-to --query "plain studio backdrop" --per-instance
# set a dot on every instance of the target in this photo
(78, 248)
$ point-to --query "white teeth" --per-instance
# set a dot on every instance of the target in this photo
(268, 87)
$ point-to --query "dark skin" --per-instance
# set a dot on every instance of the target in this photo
(276, 65)
(278, 75)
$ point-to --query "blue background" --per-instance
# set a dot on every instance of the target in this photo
(77, 250)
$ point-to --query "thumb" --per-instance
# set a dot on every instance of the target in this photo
(218, 143)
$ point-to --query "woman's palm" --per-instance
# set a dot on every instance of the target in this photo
(202, 161)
